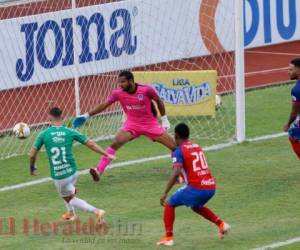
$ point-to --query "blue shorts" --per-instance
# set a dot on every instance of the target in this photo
(294, 132)
(190, 197)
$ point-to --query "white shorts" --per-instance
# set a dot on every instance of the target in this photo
(66, 187)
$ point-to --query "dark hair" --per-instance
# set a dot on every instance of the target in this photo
(182, 130)
(127, 74)
(296, 62)
(55, 112)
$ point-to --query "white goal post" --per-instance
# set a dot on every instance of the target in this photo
(240, 72)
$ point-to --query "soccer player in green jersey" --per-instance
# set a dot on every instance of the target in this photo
(58, 141)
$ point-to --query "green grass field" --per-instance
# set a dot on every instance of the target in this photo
(258, 187)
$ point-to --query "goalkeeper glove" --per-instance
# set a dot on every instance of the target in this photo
(79, 120)
(33, 169)
(165, 122)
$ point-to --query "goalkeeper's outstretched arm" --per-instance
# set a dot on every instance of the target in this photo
(99, 108)
(79, 120)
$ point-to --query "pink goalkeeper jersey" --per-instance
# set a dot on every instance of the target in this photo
(137, 106)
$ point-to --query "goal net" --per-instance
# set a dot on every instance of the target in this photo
(68, 53)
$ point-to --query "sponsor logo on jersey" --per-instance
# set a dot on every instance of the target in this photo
(208, 182)
(135, 107)
(59, 133)
(58, 139)
(191, 146)
(140, 97)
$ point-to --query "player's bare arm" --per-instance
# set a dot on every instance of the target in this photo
(99, 108)
(160, 105)
(165, 139)
(32, 160)
(162, 110)
(171, 182)
(96, 148)
(294, 113)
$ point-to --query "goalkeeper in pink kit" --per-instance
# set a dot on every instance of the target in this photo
(136, 101)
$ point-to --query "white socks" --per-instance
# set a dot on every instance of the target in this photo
(82, 205)
(70, 208)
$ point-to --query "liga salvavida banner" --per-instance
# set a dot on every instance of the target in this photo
(183, 92)
(103, 38)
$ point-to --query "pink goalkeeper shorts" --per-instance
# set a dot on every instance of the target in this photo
(152, 131)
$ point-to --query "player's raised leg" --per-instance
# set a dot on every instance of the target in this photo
(166, 140)
(66, 189)
(121, 138)
(212, 217)
(82, 205)
(155, 132)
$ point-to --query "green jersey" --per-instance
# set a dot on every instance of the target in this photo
(58, 142)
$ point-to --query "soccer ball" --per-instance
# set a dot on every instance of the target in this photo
(21, 130)
(218, 102)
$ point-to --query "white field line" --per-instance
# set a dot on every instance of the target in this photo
(266, 137)
(279, 244)
(259, 72)
(132, 162)
(266, 71)
(272, 53)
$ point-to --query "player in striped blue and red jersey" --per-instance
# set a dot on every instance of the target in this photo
(293, 124)
(189, 162)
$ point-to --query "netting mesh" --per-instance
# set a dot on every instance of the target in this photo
(29, 100)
